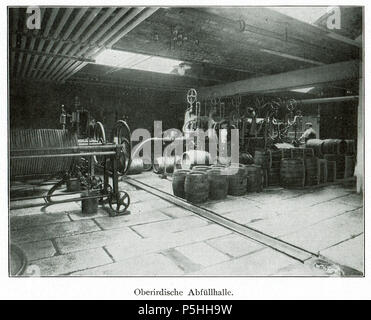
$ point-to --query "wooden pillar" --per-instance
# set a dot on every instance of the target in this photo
(359, 169)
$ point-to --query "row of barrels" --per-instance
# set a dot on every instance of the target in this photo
(331, 146)
(215, 182)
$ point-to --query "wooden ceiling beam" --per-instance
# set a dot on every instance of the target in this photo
(287, 80)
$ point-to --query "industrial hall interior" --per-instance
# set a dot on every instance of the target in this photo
(186, 141)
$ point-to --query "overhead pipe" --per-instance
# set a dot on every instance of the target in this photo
(106, 27)
(66, 35)
(127, 18)
(32, 45)
(32, 71)
(87, 22)
(130, 26)
(51, 44)
(327, 100)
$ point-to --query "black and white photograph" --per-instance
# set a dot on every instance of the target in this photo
(185, 141)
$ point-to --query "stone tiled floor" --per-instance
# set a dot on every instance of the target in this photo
(158, 238)
(323, 220)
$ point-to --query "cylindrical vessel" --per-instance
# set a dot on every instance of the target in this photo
(237, 180)
(292, 173)
(349, 166)
(254, 178)
(201, 168)
(261, 158)
(350, 147)
(340, 164)
(38, 139)
(218, 184)
(331, 170)
(311, 171)
(196, 187)
(274, 176)
(89, 206)
(195, 157)
(178, 182)
(334, 146)
(170, 163)
(136, 166)
(317, 146)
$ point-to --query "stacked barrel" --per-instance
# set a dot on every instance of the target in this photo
(339, 156)
(215, 182)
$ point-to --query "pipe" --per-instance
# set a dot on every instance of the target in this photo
(68, 32)
(51, 55)
(61, 155)
(92, 29)
(96, 37)
(59, 44)
(130, 22)
(32, 71)
(61, 24)
(327, 100)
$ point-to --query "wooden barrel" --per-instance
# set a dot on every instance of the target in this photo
(254, 178)
(340, 164)
(196, 187)
(136, 166)
(334, 146)
(274, 176)
(349, 166)
(261, 158)
(350, 147)
(317, 146)
(178, 182)
(201, 168)
(237, 179)
(331, 171)
(297, 153)
(40, 139)
(171, 163)
(292, 173)
(311, 171)
(195, 157)
(218, 184)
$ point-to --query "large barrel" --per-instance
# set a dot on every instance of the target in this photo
(237, 180)
(334, 146)
(201, 168)
(218, 184)
(136, 166)
(350, 147)
(262, 158)
(195, 157)
(311, 171)
(254, 178)
(274, 176)
(196, 187)
(349, 166)
(292, 173)
(340, 163)
(40, 139)
(178, 182)
(171, 163)
(316, 145)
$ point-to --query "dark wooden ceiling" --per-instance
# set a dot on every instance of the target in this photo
(221, 44)
(254, 40)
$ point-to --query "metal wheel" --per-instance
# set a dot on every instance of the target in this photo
(100, 137)
(122, 136)
(191, 96)
(119, 202)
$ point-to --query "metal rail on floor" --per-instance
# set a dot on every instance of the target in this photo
(290, 250)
